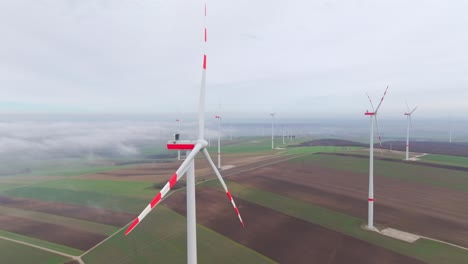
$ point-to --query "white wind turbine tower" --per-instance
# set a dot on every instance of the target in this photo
(188, 167)
(219, 140)
(273, 130)
(373, 115)
(408, 117)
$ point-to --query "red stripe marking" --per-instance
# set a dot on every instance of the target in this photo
(237, 210)
(155, 200)
(229, 195)
(371, 199)
(180, 146)
(369, 113)
(130, 228)
(173, 180)
(205, 35)
(217, 117)
(204, 62)
(205, 9)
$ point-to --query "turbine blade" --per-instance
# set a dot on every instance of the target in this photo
(381, 100)
(370, 100)
(378, 132)
(201, 103)
(407, 107)
(413, 110)
(175, 177)
(220, 178)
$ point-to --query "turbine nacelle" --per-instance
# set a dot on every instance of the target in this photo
(185, 144)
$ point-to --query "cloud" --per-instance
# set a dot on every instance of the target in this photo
(145, 55)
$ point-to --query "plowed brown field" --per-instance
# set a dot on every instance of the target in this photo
(281, 237)
(49, 232)
(92, 214)
(419, 208)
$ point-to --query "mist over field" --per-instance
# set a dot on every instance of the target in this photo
(43, 137)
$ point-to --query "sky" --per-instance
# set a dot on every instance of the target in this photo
(312, 58)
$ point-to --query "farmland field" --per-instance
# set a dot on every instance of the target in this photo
(283, 238)
(17, 253)
(446, 159)
(299, 203)
(401, 201)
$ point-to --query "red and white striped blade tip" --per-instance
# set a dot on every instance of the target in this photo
(153, 203)
(132, 226)
(235, 208)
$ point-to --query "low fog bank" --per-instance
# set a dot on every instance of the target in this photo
(26, 138)
(30, 139)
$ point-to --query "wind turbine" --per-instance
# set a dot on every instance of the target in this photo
(273, 130)
(178, 132)
(188, 167)
(372, 115)
(219, 141)
(408, 117)
(283, 135)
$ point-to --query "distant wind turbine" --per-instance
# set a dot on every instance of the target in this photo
(188, 167)
(273, 130)
(283, 135)
(219, 141)
(373, 115)
(408, 117)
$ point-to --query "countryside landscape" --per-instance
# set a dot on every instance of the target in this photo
(149, 131)
(297, 204)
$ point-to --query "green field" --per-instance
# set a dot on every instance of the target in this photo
(64, 221)
(439, 253)
(315, 149)
(161, 238)
(16, 253)
(252, 145)
(41, 243)
(119, 188)
(247, 146)
(7, 186)
(58, 167)
(451, 179)
(86, 198)
(446, 160)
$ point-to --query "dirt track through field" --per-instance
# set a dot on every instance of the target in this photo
(49, 232)
(418, 208)
(92, 214)
(281, 237)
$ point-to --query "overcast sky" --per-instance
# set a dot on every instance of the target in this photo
(307, 57)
